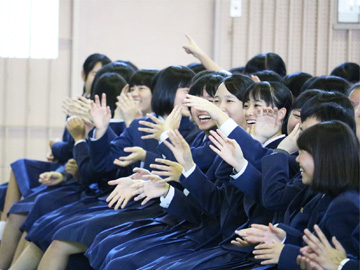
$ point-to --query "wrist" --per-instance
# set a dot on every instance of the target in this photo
(240, 164)
(167, 188)
(188, 165)
(221, 119)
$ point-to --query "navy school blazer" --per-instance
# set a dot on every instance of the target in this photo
(337, 217)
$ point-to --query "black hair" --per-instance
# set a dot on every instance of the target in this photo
(196, 67)
(267, 75)
(274, 94)
(117, 67)
(91, 61)
(111, 84)
(164, 87)
(328, 106)
(129, 64)
(266, 61)
(298, 104)
(335, 150)
(142, 77)
(209, 83)
(237, 85)
(206, 72)
(348, 70)
(305, 96)
(237, 70)
(295, 81)
(327, 83)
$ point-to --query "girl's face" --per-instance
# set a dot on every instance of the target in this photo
(250, 109)
(230, 104)
(294, 119)
(306, 162)
(179, 100)
(201, 118)
(142, 97)
(90, 78)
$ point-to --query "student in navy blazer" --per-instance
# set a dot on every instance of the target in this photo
(202, 154)
(210, 209)
(180, 83)
(26, 172)
(336, 208)
(271, 170)
(269, 95)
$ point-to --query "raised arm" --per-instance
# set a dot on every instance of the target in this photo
(194, 49)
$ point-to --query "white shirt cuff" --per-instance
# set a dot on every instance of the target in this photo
(164, 136)
(79, 141)
(113, 120)
(165, 201)
(343, 262)
(228, 126)
(187, 173)
(92, 137)
(237, 175)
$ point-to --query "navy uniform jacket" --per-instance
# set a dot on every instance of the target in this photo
(62, 151)
(337, 217)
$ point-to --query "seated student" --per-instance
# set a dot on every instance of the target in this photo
(320, 208)
(203, 87)
(226, 255)
(25, 172)
(349, 71)
(259, 95)
(319, 253)
(58, 183)
(111, 84)
(172, 82)
(336, 206)
(211, 228)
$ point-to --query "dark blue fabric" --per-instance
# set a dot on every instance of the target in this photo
(67, 223)
(3, 189)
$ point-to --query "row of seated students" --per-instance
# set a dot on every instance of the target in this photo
(203, 164)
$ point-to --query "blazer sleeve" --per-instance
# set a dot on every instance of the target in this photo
(249, 182)
(62, 151)
(104, 151)
(277, 188)
(351, 265)
(182, 207)
(209, 196)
